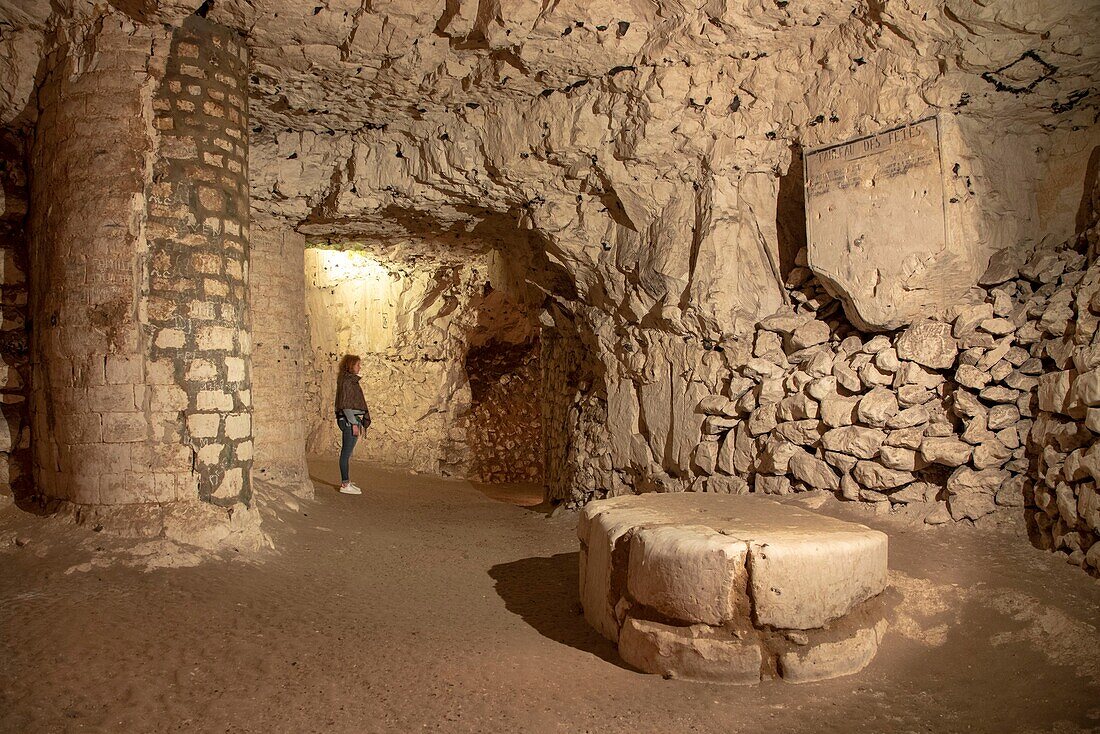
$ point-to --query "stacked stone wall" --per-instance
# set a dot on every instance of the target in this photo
(15, 473)
(504, 426)
(279, 355)
(199, 252)
(1064, 512)
(575, 432)
(971, 419)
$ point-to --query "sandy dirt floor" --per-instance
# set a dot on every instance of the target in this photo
(430, 605)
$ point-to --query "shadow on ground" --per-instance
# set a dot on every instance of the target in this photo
(324, 482)
(544, 592)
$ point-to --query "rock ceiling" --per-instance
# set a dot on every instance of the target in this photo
(617, 130)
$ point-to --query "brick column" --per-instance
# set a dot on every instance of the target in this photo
(199, 254)
(139, 238)
(281, 336)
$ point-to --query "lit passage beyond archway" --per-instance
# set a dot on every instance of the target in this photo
(450, 362)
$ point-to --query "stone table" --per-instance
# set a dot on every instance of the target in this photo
(732, 589)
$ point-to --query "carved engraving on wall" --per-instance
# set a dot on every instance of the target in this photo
(876, 225)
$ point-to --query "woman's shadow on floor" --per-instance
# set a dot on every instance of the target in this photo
(545, 593)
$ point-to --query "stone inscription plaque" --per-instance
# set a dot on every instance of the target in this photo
(876, 227)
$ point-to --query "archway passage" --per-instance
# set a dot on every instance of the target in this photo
(450, 352)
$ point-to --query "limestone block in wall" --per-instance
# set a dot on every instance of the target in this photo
(877, 227)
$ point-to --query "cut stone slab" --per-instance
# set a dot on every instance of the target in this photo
(688, 572)
(832, 659)
(807, 569)
(697, 652)
(600, 533)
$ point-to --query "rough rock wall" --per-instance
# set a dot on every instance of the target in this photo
(15, 459)
(896, 226)
(399, 324)
(413, 326)
(21, 52)
(671, 143)
(280, 356)
(650, 150)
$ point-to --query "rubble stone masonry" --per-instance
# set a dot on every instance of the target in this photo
(14, 342)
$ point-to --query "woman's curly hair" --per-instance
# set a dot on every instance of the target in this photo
(348, 362)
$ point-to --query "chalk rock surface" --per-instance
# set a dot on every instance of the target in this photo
(695, 585)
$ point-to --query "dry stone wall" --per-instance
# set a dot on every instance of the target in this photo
(15, 460)
(576, 432)
(504, 425)
(1064, 513)
(943, 420)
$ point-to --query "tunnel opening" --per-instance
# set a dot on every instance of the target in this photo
(450, 353)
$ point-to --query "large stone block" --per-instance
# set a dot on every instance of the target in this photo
(715, 563)
(689, 573)
(697, 652)
(600, 528)
(877, 230)
(806, 576)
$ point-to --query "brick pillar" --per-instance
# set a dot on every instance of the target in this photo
(199, 253)
(281, 336)
(139, 239)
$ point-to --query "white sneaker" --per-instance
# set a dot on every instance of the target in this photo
(350, 489)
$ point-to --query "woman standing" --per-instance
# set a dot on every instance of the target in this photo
(352, 415)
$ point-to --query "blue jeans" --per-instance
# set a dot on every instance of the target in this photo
(347, 444)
